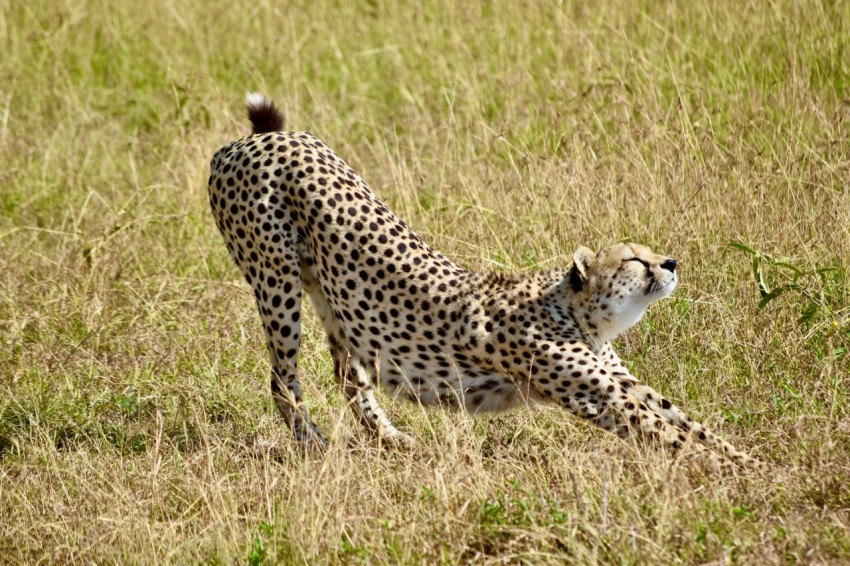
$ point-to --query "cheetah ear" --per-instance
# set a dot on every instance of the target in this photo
(582, 258)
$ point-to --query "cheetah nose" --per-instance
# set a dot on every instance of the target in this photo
(669, 265)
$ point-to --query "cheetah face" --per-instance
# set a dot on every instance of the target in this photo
(619, 283)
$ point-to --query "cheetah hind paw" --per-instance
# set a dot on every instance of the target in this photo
(310, 438)
(396, 440)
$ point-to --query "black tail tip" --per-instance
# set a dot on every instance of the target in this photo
(264, 115)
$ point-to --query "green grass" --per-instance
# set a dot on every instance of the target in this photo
(135, 420)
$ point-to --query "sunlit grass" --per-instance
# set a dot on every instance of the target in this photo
(136, 423)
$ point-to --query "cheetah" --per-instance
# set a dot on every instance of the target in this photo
(298, 220)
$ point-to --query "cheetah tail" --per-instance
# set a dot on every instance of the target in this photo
(264, 115)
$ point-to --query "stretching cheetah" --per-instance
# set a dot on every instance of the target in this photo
(297, 219)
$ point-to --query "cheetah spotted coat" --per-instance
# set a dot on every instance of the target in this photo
(298, 220)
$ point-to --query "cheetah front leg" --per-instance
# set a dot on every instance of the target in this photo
(671, 413)
(357, 387)
(590, 391)
(644, 393)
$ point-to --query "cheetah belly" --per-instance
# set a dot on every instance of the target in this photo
(426, 378)
(476, 391)
(438, 382)
(320, 304)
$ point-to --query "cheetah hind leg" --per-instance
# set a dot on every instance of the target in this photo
(357, 387)
(287, 397)
(283, 342)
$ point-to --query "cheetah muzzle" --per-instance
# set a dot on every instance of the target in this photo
(297, 219)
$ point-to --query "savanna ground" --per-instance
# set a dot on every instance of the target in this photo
(136, 423)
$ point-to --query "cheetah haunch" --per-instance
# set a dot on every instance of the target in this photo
(297, 219)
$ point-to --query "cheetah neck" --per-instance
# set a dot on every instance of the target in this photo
(609, 328)
(597, 326)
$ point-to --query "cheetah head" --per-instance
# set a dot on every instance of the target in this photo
(616, 285)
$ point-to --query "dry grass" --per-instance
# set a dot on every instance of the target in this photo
(135, 421)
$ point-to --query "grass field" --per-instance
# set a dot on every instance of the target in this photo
(136, 424)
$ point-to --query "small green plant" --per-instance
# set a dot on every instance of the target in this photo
(522, 508)
(817, 293)
(351, 549)
(427, 494)
(257, 554)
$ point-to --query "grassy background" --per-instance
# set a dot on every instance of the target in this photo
(136, 423)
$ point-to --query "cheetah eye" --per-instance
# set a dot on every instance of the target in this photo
(637, 259)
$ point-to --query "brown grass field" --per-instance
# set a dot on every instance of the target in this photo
(136, 424)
